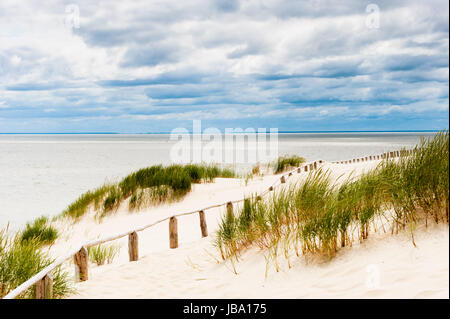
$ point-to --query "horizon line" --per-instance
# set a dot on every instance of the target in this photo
(282, 132)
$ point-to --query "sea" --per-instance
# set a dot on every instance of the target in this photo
(40, 174)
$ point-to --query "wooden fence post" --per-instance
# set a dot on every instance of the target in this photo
(311, 166)
(81, 262)
(282, 179)
(44, 288)
(173, 232)
(306, 168)
(270, 188)
(133, 251)
(299, 170)
(315, 165)
(203, 226)
(229, 209)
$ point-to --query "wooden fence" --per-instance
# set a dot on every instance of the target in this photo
(43, 280)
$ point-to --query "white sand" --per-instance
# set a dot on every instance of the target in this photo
(384, 266)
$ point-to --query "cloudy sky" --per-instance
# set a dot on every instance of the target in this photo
(149, 66)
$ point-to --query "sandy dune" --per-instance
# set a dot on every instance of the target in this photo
(389, 268)
(384, 266)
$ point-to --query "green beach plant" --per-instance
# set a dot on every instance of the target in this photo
(40, 231)
(319, 217)
(284, 163)
(20, 260)
(147, 186)
(103, 253)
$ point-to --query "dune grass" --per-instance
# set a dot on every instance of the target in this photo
(40, 231)
(79, 207)
(103, 253)
(20, 260)
(151, 185)
(284, 163)
(318, 217)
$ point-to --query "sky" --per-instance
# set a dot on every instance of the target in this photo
(152, 66)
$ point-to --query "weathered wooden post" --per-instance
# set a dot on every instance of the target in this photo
(315, 165)
(306, 168)
(299, 170)
(203, 226)
(282, 179)
(366, 158)
(320, 161)
(44, 288)
(133, 251)
(173, 232)
(270, 188)
(311, 166)
(81, 264)
(230, 209)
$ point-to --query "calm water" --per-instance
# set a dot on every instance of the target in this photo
(42, 174)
